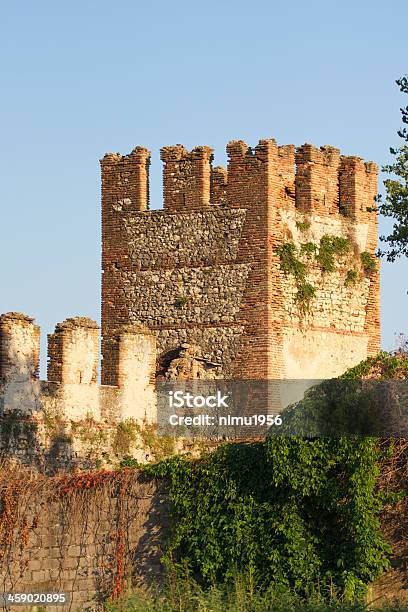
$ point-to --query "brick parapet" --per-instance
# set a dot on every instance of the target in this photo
(125, 182)
(357, 188)
(253, 186)
(219, 186)
(73, 362)
(125, 188)
(133, 351)
(316, 180)
(186, 177)
(73, 352)
(317, 186)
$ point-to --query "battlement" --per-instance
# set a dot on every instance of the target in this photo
(309, 179)
(201, 289)
(125, 179)
(73, 362)
(19, 347)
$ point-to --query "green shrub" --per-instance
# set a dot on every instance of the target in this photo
(329, 247)
(351, 277)
(292, 512)
(368, 262)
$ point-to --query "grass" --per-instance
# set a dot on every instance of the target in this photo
(186, 595)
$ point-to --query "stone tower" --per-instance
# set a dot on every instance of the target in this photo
(268, 266)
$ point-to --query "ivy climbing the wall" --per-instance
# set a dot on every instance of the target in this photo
(291, 512)
(288, 511)
(291, 264)
(331, 250)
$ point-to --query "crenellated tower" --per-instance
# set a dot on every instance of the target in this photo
(207, 268)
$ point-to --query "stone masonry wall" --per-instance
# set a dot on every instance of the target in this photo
(205, 268)
(333, 330)
(87, 538)
(70, 421)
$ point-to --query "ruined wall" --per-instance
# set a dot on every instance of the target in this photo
(70, 420)
(205, 268)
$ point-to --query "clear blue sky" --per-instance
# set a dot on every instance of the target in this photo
(79, 79)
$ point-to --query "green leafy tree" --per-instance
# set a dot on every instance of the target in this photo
(395, 204)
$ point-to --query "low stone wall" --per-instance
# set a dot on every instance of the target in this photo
(88, 536)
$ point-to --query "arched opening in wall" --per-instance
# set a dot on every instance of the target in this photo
(164, 360)
(185, 362)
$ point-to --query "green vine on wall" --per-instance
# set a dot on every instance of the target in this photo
(325, 254)
(329, 247)
(291, 264)
(368, 262)
(291, 512)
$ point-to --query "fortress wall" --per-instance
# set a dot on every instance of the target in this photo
(260, 180)
(342, 324)
(203, 271)
(186, 178)
(335, 305)
(184, 281)
(19, 362)
(159, 240)
(19, 347)
(311, 354)
(70, 420)
(125, 187)
(86, 541)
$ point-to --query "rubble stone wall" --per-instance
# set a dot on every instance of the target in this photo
(85, 545)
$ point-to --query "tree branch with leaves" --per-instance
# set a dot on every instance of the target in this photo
(395, 204)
